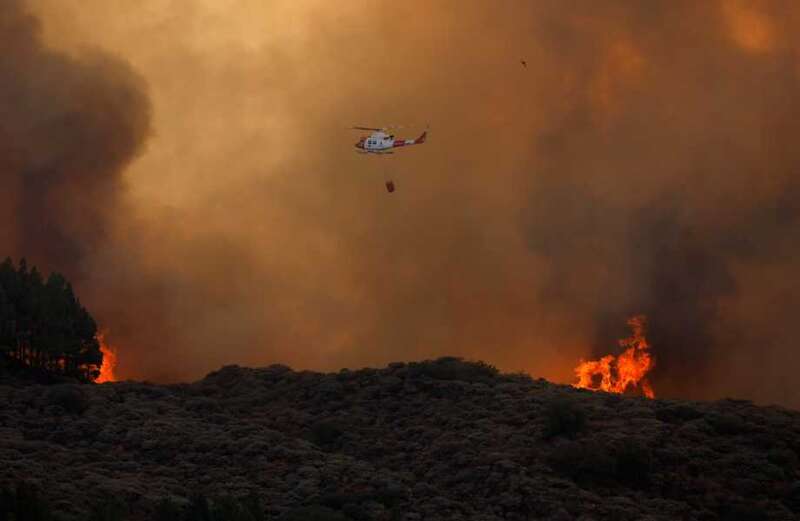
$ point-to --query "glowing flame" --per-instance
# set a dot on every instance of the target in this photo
(624, 372)
(109, 360)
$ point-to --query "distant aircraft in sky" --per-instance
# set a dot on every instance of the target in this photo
(524, 63)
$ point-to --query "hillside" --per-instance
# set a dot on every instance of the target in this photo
(437, 440)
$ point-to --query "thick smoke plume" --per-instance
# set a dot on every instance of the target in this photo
(671, 179)
(642, 163)
(68, 127)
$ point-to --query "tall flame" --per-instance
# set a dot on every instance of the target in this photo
(624, 372)
(109, 360)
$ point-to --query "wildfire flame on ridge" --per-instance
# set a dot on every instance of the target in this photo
(109, 360)
(621, 373)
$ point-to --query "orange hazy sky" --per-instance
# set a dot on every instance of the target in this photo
(634, 160)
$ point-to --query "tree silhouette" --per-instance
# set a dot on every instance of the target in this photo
(44, 326)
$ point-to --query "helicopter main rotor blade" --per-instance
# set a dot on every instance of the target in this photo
(388, 127)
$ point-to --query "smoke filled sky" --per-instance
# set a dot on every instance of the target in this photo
(643, 162)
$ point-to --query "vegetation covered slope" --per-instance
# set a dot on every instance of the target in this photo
(436, 440)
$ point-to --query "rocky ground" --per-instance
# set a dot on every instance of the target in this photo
(437, 440)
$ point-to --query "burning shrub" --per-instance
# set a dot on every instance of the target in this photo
(454, 368)
(623, 374)
(69, 397)
(564, 417)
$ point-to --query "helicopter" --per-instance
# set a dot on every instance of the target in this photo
(380, 142)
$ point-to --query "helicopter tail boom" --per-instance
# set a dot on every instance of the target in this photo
(406, 142)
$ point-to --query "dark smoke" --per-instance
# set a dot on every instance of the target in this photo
(68, 127)
(674, 199)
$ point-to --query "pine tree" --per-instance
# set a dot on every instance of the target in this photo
(43, 324)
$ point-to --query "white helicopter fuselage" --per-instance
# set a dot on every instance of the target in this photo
(380, 142)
